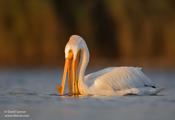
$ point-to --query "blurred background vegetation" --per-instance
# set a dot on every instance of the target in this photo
(33, 33)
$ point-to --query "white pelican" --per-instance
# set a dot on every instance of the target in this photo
(111, 81)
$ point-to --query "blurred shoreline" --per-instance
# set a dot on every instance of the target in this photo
(99, 63)
(134, 33)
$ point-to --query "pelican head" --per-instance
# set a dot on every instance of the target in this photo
(74, 45)
(72, 58)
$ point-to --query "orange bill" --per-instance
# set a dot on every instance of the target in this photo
(67, 67)
(75, 74)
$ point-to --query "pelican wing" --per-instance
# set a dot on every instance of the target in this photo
(128, 79)
(90, 78)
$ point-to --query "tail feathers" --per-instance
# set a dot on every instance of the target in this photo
(145, 91)
(157, 90)
(139, 91)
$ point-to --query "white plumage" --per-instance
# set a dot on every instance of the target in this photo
(109, 81)
(119, 81)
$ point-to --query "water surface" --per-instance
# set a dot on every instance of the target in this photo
(33, 91)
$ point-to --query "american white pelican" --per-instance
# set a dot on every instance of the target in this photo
(111, 81)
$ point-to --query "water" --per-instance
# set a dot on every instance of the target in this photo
(33, 91)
